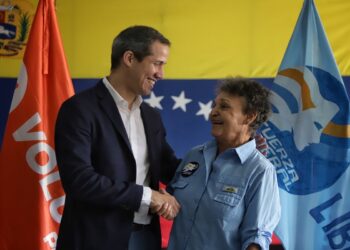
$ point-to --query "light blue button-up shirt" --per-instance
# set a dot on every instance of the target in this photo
(227, 202)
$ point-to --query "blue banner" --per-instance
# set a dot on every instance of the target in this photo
(308, 136)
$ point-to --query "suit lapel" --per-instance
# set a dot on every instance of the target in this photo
(109, 107)
(148, 124)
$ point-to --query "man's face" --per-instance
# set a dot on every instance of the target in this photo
(149, 70)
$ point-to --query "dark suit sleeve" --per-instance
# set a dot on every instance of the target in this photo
(81, 180)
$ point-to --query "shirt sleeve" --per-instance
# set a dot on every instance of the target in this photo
(146, 198)
(262, 210)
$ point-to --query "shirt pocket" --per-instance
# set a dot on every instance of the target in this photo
(228, 192)
(179, 185)
(231, 200)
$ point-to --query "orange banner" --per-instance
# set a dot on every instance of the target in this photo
(31, 195)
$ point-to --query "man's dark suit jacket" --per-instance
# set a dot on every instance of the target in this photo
(98, 170)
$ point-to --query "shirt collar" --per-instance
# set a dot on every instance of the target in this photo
(245, 150)
(119, 100)
(242, 152)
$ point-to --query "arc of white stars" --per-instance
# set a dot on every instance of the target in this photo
(204, 109)
(154, 101)
(181, 101)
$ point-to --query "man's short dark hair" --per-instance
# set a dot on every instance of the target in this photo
(256, 97)
(137, 39)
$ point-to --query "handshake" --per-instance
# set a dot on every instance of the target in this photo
(164, 204)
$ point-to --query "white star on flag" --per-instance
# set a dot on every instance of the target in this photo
(204, 109)
(154, 101)
(181, 101)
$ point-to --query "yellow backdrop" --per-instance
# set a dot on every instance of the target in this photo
(210, 39)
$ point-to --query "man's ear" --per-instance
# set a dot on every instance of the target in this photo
(128, 57)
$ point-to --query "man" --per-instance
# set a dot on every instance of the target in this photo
(112, 152)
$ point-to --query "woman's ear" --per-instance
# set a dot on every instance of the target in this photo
(250, 118)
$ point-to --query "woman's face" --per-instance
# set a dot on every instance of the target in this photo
(229, 124)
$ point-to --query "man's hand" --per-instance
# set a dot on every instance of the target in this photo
(261, 144)
(164, 204)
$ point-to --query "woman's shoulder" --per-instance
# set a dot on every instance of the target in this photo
(262, 162)
(203, 146)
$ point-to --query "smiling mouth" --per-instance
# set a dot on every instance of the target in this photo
(152, 82)
(215, 122)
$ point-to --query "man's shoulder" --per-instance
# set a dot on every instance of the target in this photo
(87, 95)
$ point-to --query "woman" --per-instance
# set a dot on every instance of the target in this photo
(227, 189)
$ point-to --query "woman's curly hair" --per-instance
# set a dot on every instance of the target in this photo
(256, 97)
